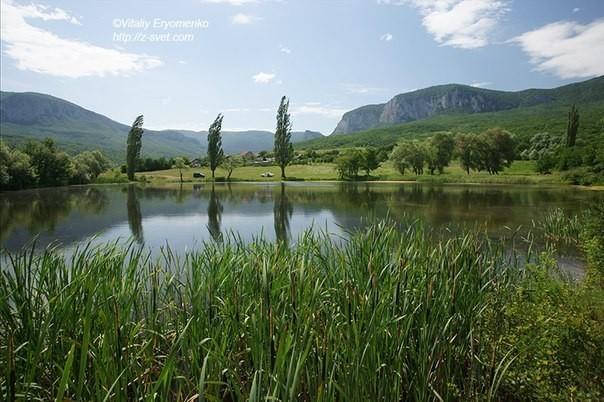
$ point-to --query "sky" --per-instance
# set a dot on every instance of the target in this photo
(181, 62)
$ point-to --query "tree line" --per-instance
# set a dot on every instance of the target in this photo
(42, 164)
(580, 158)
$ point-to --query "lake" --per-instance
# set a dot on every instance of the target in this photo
(186, 216)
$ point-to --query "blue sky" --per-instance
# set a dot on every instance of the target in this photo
(239, 57)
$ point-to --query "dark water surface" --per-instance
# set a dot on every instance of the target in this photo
(187, 216)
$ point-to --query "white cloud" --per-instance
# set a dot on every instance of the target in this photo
(565, 48)
(576, 10)
(317, 109)
(243, 19)
(41, 51)
(263, 78)
(479, 84)
(285, 49)
(386, 37)
(459, 23)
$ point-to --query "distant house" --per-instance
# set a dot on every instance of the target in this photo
(264, 161)
(195, 163)
(247, 155)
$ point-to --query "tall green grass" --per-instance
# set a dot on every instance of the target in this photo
(391, 314)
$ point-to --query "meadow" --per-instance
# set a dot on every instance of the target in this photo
(520, 172)
(392, 314)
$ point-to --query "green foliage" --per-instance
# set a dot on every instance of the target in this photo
(370, 160)
(546, 163)
(468, 151)
(349, 163)
(231, 163)
(51, 166)
(592, 241)
(42, 164)
(539, 145)
(87, 166)
(440, 149)
(283, 148)
(15, 169)
(152, 164)
(572, 127)
(496, 149)
(409, 154)
(134, 145)
(555, 331)
(215, 152)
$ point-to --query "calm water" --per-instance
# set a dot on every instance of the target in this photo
(188, 215)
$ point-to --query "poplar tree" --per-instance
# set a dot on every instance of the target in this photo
(572, 127)
(284, 150)
(215, 152)
(133, 149)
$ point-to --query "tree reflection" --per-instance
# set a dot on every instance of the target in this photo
(135, 217)
(282, 210)
(214, 215)
(43, 210)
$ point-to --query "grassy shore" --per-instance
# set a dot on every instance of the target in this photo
(521, 172)
(390, 315)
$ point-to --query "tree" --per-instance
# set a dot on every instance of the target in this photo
(134, 144)
(230, 163)
(215, 152)
(349, 163)
(440, 152)
(87, 166)
(284, 150)
(370, 160)
(409, 154)
(51, 166)
(572, 127)
(496, 148)
(16, 171)
(400, 156)
(179, 163)
(467, 150)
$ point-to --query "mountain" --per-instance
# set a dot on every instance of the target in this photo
(26, 116)
(250, 140)
(462, 99)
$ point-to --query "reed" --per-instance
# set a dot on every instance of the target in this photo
(391, 314)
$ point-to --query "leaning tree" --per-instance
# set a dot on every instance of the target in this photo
(133, 150)
(215, 152)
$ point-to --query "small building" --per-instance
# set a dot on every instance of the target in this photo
(247, 155)
(195, 163)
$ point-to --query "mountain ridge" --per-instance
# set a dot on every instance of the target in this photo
(436, 100)
(33, 115)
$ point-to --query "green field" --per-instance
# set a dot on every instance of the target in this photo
(521, 172)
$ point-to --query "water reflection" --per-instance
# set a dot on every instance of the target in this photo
(174, 214)
(135, 217)
(282, 210)
(214, 215)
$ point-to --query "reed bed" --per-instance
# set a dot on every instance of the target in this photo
(389, 315)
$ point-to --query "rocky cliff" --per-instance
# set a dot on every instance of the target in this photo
(447, 99)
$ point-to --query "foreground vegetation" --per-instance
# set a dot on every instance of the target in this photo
(392, 314)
